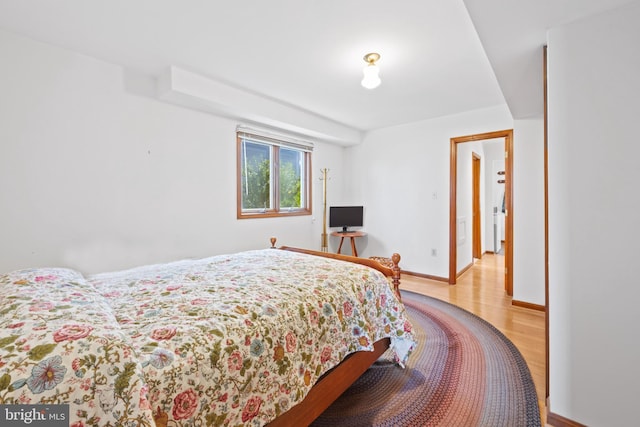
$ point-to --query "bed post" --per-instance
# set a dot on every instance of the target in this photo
(395, 258)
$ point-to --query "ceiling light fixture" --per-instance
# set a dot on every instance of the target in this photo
(371, 79)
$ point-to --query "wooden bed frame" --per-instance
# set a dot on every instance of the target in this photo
(332, 384)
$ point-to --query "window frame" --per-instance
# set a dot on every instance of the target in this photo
(275, 145)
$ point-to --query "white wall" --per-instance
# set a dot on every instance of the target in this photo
(593, 217)
(528, 215)
(401, 175)
(96, 174)
(464, 201)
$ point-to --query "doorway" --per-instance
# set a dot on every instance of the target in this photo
(508, 211)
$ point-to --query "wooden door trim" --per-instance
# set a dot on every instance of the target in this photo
(546, 216)
(476, 219)
(507, 134)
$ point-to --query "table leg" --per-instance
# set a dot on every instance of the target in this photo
(354, 251)
(340, 247)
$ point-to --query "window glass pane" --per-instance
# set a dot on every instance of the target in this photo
(273, 178)
(291, 179)
(256, 175)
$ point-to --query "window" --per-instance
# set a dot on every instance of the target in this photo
(273, 175)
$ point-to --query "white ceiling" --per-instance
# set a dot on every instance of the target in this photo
(307, 54)
(513, 33)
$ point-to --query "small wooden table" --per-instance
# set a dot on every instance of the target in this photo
(352, 235)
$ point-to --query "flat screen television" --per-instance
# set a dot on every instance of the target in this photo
(345, 217)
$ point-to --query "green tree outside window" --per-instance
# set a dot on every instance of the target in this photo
(273, 180)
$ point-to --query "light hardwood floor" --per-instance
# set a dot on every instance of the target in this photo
(480, 290)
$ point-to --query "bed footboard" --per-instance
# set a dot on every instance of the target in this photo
(393, 272)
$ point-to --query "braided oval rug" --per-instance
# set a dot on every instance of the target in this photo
(463, 372)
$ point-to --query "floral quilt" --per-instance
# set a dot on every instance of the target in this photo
(60, 342)
(227, 340)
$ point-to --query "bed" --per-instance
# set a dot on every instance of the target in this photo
(269, 336)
